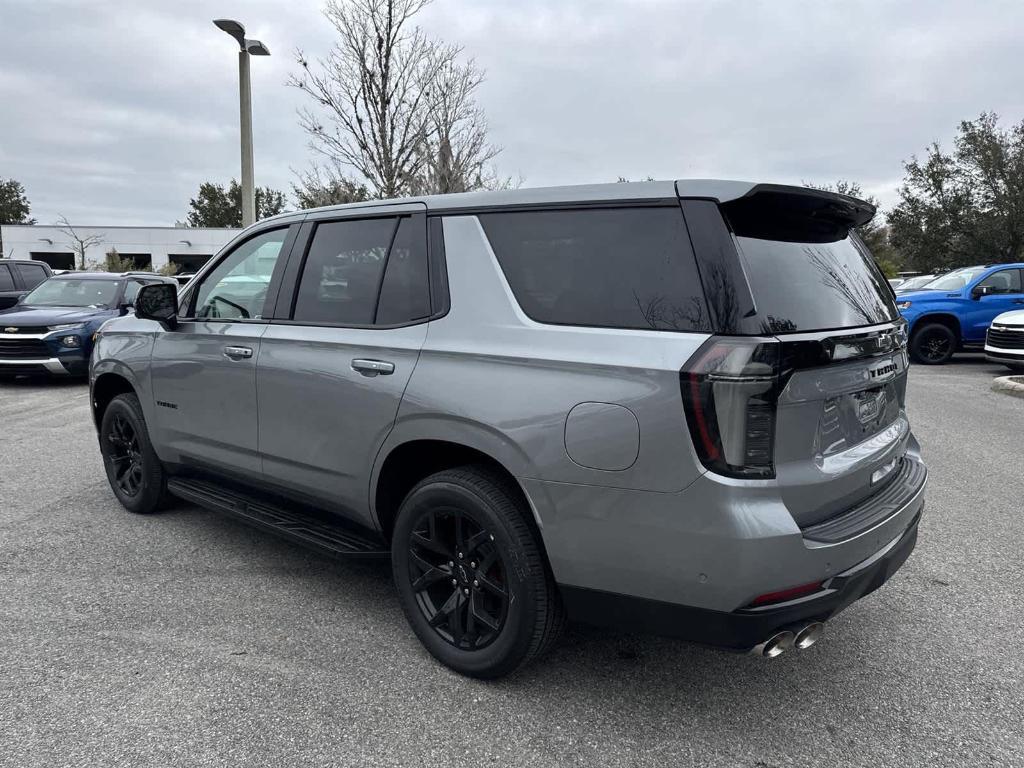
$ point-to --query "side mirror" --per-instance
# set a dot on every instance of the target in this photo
(980, 290)
(158, 301)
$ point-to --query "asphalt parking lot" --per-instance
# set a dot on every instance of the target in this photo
(188, 639)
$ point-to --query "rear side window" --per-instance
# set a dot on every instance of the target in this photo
(31, 274)
(608, 267)
(6, 281)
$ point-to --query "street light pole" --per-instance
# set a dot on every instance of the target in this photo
(245, 104)
(255, 48)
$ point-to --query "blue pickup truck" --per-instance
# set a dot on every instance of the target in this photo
(953, 312)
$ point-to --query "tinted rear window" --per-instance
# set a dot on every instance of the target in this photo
(609, 267)
(806, 270)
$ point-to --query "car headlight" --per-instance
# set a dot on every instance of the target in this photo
(70, 341)
(67, 327)
(903, 304)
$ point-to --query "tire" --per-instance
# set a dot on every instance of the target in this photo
(932, 344)
(134, 471)
(495, 609)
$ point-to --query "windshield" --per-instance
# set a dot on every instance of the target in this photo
(955, 280)
(915, 282)
(73, 292)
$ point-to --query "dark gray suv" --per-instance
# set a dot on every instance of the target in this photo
(674, 407)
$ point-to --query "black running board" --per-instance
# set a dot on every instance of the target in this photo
(336, 540)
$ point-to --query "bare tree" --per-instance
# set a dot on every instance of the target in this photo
(375, 86)
(457, 156)
(79, 243)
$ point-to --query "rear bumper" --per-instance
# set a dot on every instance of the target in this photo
(743, 629)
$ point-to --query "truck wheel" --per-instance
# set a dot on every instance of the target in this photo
(932, 344)
(471, 576)
(133, 469)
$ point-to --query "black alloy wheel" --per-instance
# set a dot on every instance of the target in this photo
(133, 469)
(933, 344)
(126, 455)
(471, 573)
(461, 582)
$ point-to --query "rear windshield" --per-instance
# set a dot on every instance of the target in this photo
(807, 271)
(610, 267)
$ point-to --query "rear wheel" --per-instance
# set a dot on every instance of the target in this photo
(471, 576)
(932, 344)
(134, 471)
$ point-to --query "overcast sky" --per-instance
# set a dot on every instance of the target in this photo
(113, 111)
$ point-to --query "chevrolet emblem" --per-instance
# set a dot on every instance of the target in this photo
(10, 330)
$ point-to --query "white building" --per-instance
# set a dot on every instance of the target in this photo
(151, 248)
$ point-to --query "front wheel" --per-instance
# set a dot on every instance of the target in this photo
(134, 471)
(933, 344)
(471, 576)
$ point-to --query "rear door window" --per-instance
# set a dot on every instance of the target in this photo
(405, 292)
(343, 270)
(31, 274)
(629, 267)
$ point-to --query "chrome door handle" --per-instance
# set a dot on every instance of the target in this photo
(373, 367)
(238, 353)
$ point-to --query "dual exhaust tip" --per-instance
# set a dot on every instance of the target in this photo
(801, 637)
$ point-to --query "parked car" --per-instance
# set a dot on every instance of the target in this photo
(954, 311)
(18, 277)
(1004, 341)
(668, 406)
(914, 283)
(50, 331)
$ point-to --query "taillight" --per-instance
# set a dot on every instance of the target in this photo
(729, 393)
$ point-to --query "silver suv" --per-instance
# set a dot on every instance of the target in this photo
(674, 407)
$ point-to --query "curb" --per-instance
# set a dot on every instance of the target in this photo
(1009, 385)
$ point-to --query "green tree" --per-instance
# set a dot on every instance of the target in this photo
(966, 207)
(876, 233)
(14, 206)
(317, 187)
(215, 206)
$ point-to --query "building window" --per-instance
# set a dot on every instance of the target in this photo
(55, 260)
(189, 263)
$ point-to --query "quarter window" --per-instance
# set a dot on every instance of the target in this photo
(614, 267)
(6, 281)
(236, 289)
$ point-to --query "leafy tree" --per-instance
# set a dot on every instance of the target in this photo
(875, 234)
(215, 206)
(966, 207)
(317, 187)
(14, 206)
